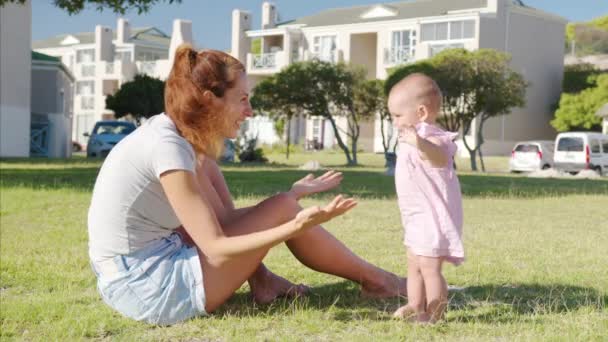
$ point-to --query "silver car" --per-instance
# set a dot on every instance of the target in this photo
(531, 156)
(105, 135)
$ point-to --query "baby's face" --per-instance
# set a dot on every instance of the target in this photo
(403, 112)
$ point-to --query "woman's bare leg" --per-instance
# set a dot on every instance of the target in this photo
(328, 255)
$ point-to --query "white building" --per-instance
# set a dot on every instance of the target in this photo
(51, 107)
(383, 36)
(103, 60)
(15, 78)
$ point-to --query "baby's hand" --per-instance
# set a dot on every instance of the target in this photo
(409, 135)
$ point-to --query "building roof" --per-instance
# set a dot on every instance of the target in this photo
(37, 56)
(390, 11)
(401, 10)
(144, 35)
(603, 111)
(40, 59)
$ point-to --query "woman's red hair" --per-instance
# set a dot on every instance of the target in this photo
(192, 74)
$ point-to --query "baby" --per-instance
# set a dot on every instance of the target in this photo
(429, 196)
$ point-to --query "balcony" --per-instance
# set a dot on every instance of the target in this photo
(86, 102)
(86, 70)
(266, 63)
(398, 55)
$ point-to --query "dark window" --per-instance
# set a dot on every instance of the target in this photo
(570, 144)
(526, 148)
(605, 146)
(595, 146)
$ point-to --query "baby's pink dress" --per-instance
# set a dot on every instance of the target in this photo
(430, 200)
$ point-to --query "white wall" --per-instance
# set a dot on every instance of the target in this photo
(15, 71)
(536, 42)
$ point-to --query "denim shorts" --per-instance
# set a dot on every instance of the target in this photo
(161, 283)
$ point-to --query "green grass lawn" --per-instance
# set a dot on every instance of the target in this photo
(536, 264)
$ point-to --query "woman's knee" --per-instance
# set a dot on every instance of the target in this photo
(285, 205)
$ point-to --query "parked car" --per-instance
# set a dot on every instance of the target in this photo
(576, 151)
(105, 135)
(531, 156)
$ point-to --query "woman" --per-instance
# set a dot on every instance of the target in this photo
(165, 239)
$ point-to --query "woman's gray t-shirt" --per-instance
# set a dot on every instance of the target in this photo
(129, 208)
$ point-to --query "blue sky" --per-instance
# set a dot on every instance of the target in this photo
(211, 19)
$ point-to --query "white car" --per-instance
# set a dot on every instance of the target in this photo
(531, 156)
(576, 151)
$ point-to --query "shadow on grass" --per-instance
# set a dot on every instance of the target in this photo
(265, 181)
(492, 303)
(485, 303)
(340, 301)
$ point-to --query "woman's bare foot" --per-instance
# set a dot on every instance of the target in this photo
(389, 285)
(267, 286)
(409, 314)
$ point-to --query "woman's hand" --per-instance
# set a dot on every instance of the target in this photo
(310, 185)
(310, 217)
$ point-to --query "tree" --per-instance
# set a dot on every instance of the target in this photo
(577, 111)
(474, 85)
(116, 6)
(578, 77)
(142, 97)
(316, 88)
(589, 37)
(371, 98)
(267, 99)
(497, 90)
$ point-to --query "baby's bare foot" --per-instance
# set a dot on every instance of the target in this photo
(409, 314)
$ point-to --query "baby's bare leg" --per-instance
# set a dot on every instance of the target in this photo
(436, 288)
(415, 310)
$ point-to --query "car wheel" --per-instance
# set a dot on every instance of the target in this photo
(546, 166)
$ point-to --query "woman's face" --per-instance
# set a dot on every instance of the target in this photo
(236, 107)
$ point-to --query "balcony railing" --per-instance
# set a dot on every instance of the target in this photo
(148, 67)
(264, 61)
(398, 55)
(87, 102)
(87, 70)
(331, 57)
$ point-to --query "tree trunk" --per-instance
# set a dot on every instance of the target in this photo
(343, 146)
(473, 155)
(483, 166)
(288, 137)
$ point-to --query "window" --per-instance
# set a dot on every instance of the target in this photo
(570, 144)
(85, 87)
(85, 56)
(324, 48)
(87, 102)
(123, 56)
(605, 146)
(402, 47)
(526, 148)
(437, 48)
(453, 30)
(88, 70)
(595, 146)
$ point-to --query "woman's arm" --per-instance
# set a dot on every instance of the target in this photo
(196, 215)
